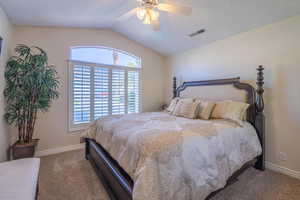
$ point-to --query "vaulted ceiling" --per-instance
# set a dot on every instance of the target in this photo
(220, 18)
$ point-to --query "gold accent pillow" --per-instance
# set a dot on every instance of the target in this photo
(172, 105)
(186, 108)
(205, 109)
(232, 110)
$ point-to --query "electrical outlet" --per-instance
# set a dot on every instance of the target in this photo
(282, 156)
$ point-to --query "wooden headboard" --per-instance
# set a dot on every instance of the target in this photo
(255, 114)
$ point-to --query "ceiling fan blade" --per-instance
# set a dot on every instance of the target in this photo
(155, 25)
(127, 15)
(177, 9)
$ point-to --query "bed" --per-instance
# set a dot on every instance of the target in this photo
(161, 156)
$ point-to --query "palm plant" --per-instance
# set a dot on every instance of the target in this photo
(31, 86)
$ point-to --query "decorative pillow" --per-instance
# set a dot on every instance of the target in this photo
(177, 110)
(205, 109)
(244, 115)
(172, 105)
(186, 108)
(232, 110)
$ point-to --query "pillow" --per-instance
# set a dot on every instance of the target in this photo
(245, 115)
(205, 109)
(186, 108)
(232, 110)
(172, 105)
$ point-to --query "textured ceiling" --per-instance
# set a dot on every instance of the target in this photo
(221, 18)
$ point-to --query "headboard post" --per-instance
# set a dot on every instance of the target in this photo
(174, 87)
(260, 90)
(260, 117)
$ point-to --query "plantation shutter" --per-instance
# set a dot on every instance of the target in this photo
(81, 94)
(97, 89)
(101, 92)
(133, 91)
(118, 91)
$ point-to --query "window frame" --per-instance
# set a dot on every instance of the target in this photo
(71, 63)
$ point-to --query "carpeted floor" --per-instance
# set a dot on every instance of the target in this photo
(68, 176)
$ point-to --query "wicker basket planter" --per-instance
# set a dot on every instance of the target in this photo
(26, 150)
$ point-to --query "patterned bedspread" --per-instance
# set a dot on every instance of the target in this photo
(174, 158)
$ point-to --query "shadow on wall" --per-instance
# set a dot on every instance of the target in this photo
(283, 113)
(269, 98)
(1, 40)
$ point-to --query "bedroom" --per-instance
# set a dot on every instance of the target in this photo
(237, 38)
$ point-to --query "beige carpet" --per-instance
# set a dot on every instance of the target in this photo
(68, 176)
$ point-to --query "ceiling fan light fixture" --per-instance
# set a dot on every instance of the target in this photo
(141, 13)
(147, 19)
(148, 11)
(154, 14)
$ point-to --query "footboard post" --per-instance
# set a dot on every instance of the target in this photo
(260, 124)
(260, 117)
(87, 148)
(174, 87)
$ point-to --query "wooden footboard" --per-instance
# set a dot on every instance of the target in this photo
(116, 181)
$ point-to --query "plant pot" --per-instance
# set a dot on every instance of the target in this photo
(24, 150)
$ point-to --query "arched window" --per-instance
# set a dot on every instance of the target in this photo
(103, 81)
(104, 55)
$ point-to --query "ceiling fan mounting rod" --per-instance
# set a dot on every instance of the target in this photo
(149, 3)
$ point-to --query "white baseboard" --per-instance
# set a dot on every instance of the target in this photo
(58, 150)
(283, 170)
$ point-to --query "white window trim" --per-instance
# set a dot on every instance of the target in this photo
(78, 127)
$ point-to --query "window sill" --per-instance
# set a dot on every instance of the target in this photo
(77, 129)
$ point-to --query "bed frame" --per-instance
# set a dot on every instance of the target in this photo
(118, 183)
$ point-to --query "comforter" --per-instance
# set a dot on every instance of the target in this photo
(175, 158)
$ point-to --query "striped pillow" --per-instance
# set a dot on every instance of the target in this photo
(172, 105)
(232, 110)
(205, 109)
(186, 108)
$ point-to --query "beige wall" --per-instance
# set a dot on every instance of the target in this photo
(52, 127)
(5, 33)
(277, 47)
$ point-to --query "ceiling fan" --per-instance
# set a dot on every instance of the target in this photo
(148, 11)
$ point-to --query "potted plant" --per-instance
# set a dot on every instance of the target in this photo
(31, 86)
